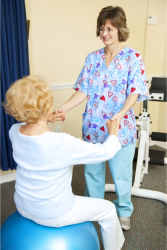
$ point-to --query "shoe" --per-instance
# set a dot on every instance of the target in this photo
(125, 222)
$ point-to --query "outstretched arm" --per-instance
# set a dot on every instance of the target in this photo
(77, 98)
(129, 103)
(82, 152)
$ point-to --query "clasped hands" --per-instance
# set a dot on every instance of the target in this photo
(57, 115)
(112, 125)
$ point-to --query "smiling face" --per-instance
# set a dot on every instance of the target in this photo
(109, 33)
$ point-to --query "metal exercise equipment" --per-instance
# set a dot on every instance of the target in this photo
(157, 92)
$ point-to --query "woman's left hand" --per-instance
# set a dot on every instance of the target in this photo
(129, 103)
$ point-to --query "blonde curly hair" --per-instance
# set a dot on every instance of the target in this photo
(28, 99)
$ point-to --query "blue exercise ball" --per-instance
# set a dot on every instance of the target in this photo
(18, 233)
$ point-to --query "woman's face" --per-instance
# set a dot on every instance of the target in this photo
(109, 34)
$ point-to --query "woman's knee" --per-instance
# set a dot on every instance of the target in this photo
(110, 208)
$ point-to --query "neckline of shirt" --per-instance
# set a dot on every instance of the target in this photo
(30, 136)
(114, 57)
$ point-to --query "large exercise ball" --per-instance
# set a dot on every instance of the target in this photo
(18, 233)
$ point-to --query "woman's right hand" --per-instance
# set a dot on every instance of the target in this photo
(61, 113)
(113, 127)
(55, 117)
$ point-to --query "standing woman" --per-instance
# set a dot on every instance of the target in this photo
(112, 79)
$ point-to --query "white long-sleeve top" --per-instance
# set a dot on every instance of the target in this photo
(44, 171)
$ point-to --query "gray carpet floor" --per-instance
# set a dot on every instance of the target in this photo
(148, 221)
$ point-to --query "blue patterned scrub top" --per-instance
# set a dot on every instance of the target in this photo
(107, 89)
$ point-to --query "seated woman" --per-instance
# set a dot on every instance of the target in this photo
(44, 171)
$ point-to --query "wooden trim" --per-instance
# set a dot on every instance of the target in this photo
(28, 28)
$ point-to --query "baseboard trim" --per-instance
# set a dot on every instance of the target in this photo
(161, 144)
(152, 143)
(7, 178)
(156, 143)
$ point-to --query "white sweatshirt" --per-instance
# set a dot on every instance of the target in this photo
(44, 171)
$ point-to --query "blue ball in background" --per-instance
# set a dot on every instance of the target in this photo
(19, 233)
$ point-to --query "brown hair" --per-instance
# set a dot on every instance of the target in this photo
(28, 99)
(117, 17)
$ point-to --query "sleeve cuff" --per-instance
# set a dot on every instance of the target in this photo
(113, 138)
